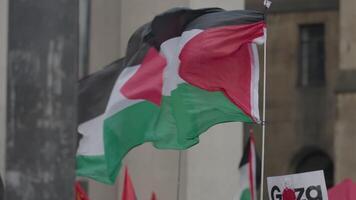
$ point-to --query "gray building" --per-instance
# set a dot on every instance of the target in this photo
(345, 132)
(310, 81)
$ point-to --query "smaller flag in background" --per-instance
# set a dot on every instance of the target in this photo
(128, 192)
(249, 168)
(80, 193)
(153, 196)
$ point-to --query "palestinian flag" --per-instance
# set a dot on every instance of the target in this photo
(184, 72)
(249, 168)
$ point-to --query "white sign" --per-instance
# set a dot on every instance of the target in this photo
(306, 186)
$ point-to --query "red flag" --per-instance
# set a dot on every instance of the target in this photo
(80, 193)
(153, 196)
(128, 192)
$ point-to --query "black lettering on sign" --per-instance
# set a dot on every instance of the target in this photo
(277, 196)
(314, 193)
(311, 193)
(300, 192)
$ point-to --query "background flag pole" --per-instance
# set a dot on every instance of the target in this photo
(179, 173)
(263, 116)
(267, 4)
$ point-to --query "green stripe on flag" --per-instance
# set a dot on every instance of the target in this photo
(189, 112)
(206, 109)
(177, 124)
(127, 129)
(246, 194)
(93, 167)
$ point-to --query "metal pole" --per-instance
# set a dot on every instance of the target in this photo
(264, 114)
(179, 174)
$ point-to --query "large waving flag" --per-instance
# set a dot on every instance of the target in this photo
(249, 168)
(184, 72)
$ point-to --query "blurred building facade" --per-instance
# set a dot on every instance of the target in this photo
(311, 87)
(302, 66)
(206, 171)
(345, 132)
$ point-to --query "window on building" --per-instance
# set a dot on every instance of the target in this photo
(311, 55)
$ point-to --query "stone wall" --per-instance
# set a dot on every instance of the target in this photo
(298, 118)
(345, 132)
(347, 35)
(345, 137)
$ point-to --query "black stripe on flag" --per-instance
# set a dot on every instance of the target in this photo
(226, 18)
(173, 22)
(94, 91)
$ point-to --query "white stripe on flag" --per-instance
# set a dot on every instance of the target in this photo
(255, 67)
(92, 143)
(117, 100)
(171, 78)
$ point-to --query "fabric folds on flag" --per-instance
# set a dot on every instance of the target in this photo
(183, 72)
(250, 172)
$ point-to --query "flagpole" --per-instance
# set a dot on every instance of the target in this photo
(264, 114)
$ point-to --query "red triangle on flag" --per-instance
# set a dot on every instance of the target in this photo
(147, 82)
(128, 192)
